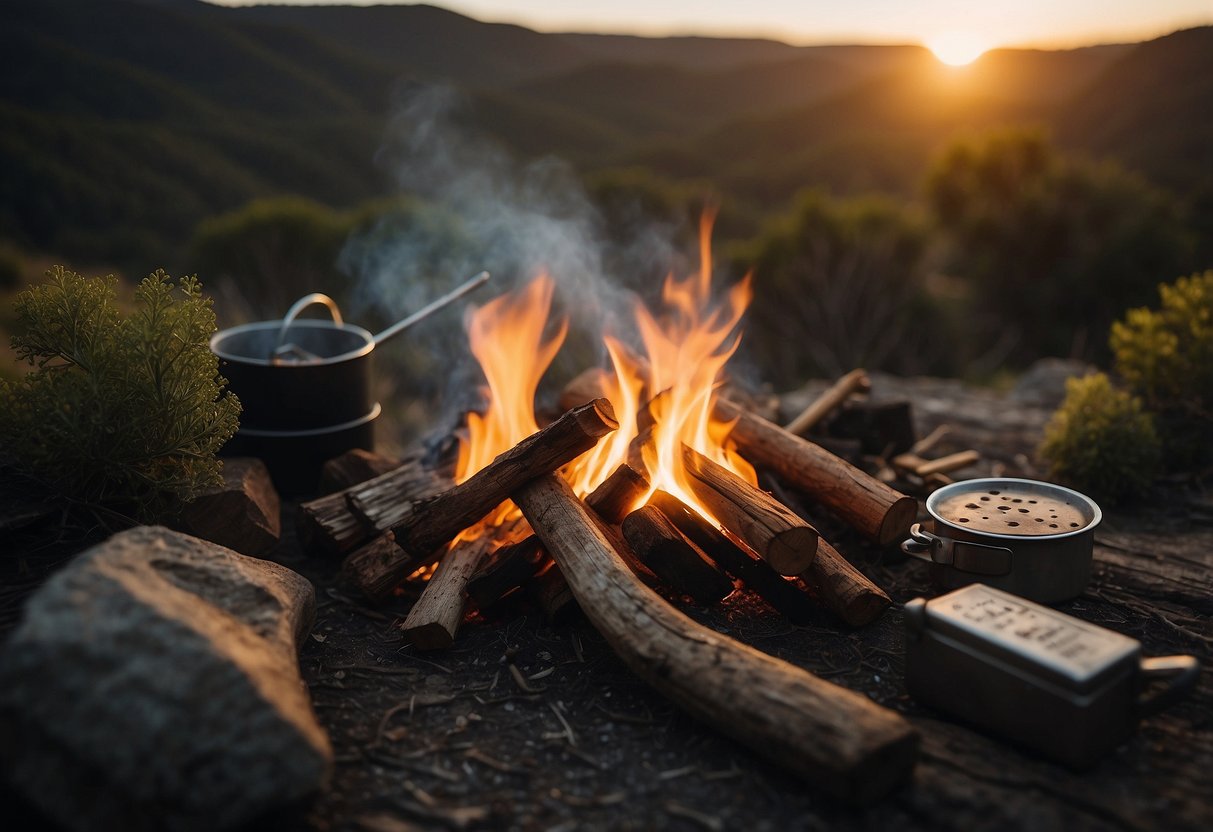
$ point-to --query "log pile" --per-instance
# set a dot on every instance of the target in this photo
(515, 531)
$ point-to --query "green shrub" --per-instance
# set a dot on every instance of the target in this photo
(1165, 355)
(123, 413)
(1102, 440)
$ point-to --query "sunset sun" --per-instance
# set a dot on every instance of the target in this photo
(957, 48)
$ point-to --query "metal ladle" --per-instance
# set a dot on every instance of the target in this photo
(288, 353)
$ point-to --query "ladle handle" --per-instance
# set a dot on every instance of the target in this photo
(301, 304)
(432, 307)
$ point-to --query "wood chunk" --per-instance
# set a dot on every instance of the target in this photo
(512, 566)
(375, 559)
(834, 738)
(866, 504)
(242, 514)
(785, 596)
(829, 401)
(352, 468)
(435, 618)
(882, 427)
(843, 589)
(673, 557)
(384, 501)
(551, 593)
(433, 522)
(328, 525)
(619, 494)
(506, 569)
(773, 531)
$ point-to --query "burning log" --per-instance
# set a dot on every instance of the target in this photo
(825, 404)
(428, 524)
(431, 523)
(869, 506)
(784, 595)
(830, 581)
(673, 557)
(833, 737)
(764, 524)
(433, 621)
(512, 566)
(875, 510)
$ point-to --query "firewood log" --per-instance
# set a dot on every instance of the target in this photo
(510, 567)
(344, 520)
(872, 508)
(430, 523)
(354, 467)
(673, 557)
(769, 528)
(435, 618)
(836, 739)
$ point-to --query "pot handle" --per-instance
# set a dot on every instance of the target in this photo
(301, 304)
(459, 291)
(962, 555)
(1180, 674)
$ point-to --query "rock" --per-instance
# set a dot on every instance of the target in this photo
(1044, 383)
(243, 514)
(153, 685)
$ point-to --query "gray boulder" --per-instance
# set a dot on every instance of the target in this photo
(154, 684)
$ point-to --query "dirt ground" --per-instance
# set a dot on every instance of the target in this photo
(531, 725)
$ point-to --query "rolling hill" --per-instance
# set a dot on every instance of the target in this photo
(128, 121)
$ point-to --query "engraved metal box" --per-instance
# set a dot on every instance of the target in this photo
(1038, 677)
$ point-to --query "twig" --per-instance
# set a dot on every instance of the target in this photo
(568, 729)
(706, 821)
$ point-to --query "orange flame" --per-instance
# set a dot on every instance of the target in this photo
(686, 348)
(507, 338)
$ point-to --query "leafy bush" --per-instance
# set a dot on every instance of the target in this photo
(1166, 357)
(1054, 247)
(840, 284)
(123, 413)
(1102, 440)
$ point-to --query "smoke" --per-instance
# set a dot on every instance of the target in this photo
(478, 207)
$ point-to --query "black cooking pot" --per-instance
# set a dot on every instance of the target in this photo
(306, 386)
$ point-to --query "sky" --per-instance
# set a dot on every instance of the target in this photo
(1039, 23)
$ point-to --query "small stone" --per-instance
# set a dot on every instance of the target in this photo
(153, 684)
(243, 514)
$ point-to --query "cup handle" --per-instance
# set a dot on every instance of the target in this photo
(1180, 674)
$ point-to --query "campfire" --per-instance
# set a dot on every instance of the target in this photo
(647, 481)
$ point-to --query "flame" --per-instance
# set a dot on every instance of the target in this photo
(686, 348)
(507, 337)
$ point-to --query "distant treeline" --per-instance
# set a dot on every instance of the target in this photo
(882, 200)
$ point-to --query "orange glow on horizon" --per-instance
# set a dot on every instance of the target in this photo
(958, 48)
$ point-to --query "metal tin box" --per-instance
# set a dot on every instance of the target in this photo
(1038, 677)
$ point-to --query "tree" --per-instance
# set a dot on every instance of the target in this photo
(837, 285)
(1052, 247)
